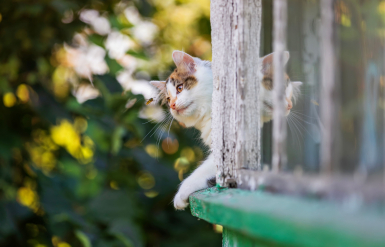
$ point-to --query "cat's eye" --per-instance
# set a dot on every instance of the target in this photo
(179, 88)
(168, 99)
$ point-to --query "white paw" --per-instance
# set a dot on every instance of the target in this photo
(181, 200)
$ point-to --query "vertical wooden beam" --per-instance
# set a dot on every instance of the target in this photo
(279, 118)
(236, 26)
(328, 88)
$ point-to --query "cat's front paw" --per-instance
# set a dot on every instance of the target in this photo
(181, 200)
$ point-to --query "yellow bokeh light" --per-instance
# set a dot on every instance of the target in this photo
(9, 99)
(42, 151)
(181, 165)
(345, 20)
(63, 244)
(114, 185)
(65, 135)
(80, 124)
(60, 79)
(84, 155)
(151, 193)
(188, 153)
(170, 146)
(68, 136)
(56, 242)
(22, 93)
(146, 180)
(153, 151)
(27, 197)
(381, 8)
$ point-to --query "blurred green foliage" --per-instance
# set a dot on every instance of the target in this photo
(77, 174)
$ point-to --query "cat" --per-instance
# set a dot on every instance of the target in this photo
(188, 93)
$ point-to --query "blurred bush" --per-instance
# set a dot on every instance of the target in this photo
(75, 166)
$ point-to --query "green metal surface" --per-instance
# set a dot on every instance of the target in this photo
(277, 220)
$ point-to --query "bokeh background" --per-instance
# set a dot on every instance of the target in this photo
(76, 166)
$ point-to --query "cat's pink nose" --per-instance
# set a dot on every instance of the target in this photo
(289, 104)
(173, 106)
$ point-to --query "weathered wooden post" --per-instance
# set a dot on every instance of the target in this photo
(236, 26)
(279, 124)
(328, 91)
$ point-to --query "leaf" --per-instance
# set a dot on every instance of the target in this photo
(110, 83)
(140, 55)
(97, 39)
(126, 232)
(114, 66)
(83, 238)
(117, 136)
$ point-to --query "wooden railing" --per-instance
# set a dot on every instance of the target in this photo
(258, 219)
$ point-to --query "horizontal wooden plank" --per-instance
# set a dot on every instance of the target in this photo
(289, 221)
(337, 188)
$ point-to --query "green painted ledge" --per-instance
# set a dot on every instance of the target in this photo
(277, 220)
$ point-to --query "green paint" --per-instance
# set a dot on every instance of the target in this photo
(235, 239)
(287, 221)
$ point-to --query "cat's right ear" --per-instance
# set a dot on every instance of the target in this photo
(267, 61)
(184, 62)
(161, 85)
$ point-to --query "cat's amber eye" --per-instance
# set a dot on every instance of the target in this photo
(168, 99)
(179, 88)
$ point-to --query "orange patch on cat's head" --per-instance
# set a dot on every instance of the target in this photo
(178, 77)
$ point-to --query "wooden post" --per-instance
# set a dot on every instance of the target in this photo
(236, 26)
(279, 122)
(328, 97)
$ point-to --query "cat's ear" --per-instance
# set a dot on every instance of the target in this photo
(268, 59)
(296, 83)
(184, 62)
(161, 85)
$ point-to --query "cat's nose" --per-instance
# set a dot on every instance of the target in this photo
(173, 106)
(289, 104)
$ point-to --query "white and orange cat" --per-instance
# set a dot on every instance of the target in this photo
(188, 93)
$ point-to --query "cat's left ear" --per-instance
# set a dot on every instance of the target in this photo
(184, 62)
(161, 85)
(268, 59)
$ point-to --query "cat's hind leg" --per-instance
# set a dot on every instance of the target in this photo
(196, 181)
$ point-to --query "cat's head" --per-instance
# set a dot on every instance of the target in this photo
(188, 90)
(266, 90)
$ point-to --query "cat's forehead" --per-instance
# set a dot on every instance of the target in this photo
(178, 77)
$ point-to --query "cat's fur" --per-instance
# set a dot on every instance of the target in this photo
(191, 107)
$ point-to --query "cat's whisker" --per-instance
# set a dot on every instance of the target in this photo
(167, 113)
(168, 134)
(298, 125)
(302, 114)
(302, 124)
(301, 119)
(298, 134)
(160, 134)
(288, 124)
(294, 131)
(155, 127)
(160, 125)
